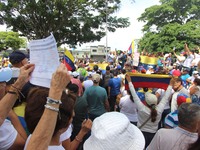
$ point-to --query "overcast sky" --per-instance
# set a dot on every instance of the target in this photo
(121, 39)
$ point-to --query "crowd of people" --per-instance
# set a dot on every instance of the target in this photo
(89, 108)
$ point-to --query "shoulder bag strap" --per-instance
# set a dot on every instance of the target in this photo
(144, 122)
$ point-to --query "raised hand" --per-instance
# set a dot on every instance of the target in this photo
(86, 126)
(60, 78)
(24, 76)
(128, 78)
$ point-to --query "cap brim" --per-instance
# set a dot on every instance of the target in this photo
(136, 141)
(5, 74)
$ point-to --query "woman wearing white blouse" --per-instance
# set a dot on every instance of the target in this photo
(129, 108)
(149, 115)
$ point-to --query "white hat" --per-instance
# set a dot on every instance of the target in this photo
(70, 73)
(75, 74)
(90, 73)
(151, 67)
(5, 74)
(113, 131)
(151, 99)
(195, 72)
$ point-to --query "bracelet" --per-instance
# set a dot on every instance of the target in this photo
(77, 139)
(12, 92)
(51, 108)
(53, 101)
(18, 90)
(16, 87)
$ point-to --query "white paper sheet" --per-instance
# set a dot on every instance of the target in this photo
(44, 54)
(136, 58)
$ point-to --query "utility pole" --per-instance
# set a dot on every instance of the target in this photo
(106, 50)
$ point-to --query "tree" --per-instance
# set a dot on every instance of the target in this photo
(11, 39)
(71, 21)
(171, 24)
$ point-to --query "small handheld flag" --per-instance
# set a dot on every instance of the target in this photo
(69, 60)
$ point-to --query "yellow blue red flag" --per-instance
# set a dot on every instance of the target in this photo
(69, 60)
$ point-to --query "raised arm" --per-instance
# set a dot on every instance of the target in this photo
(8, 101)
(42, 134)
(137, 100)
(187, 49)
(165, 98)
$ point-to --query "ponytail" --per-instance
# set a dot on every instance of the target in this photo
(153, 113)
(131, 97)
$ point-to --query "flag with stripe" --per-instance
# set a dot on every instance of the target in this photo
(102, 66)
(131, 48)
(149, 80)
(69, 60)
(146, 61)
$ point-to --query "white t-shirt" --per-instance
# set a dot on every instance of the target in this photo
(66, 135)
(128, 108)
(196, 59)
(8, 134)
(188, 61)
(174, 105)
(52, 147)
(180, 60)
(172, 139)
(161, 92)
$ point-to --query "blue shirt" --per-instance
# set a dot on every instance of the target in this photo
(114, 84)
(171, 119)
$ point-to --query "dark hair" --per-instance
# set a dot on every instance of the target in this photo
(35, 107)
(107, 67)
(179, 80)
(188, 115)
(145, 89)
(115, 72)
(197, 81)
(73, 88)
(123, 71)
(195, 145)
(95, 67)
(131, 97)
(153, 113)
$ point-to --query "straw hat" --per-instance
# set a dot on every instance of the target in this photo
(113, 131)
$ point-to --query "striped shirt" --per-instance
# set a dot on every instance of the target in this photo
(171, 120)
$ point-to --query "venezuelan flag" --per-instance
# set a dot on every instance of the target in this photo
(146, 61)
(149, 80)
(131, 48)
(69, 60)
(101, 66)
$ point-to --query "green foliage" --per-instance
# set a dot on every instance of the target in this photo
(71, 21)
(5, 54)
(11, 39)
(171, 24)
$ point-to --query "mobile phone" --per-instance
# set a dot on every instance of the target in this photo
(86, 116)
